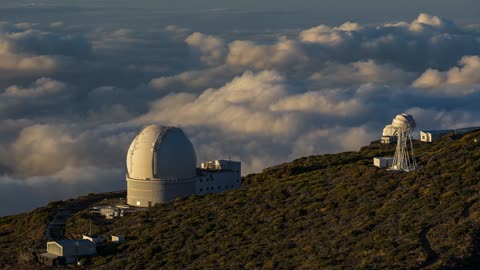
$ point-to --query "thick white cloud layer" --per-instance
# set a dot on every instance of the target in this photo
(212, 49)
(426, 41)
(283, 54)
(72, 99)
(240, 106)
(41, 87)
(361, 72)
(330, 36)
(462, 79)
(17, 101)
(25, 51)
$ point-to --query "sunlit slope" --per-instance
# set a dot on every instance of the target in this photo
(319, 212)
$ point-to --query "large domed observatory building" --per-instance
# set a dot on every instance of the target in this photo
(162, 166)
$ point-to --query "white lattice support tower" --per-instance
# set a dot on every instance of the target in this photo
(404, 159)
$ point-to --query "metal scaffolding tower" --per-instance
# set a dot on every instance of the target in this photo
(404, 159)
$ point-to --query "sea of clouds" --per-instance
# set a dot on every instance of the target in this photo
(71, 100)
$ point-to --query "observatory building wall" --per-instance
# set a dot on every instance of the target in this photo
(70, 249)
(161, 166)
(218, 176)
(145, 193)
(383, 162)
(388, 139)
(217, 181)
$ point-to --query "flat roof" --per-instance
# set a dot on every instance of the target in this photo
(439, 131)
(74, 243)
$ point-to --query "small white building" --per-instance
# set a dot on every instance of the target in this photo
(71, 249)
(388, 135)
(221, 165)
(383, 162)
(433, 135)
(112, 211)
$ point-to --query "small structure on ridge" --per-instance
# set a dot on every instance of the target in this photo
(400, 132)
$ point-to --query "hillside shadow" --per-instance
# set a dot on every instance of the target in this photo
(472, 261)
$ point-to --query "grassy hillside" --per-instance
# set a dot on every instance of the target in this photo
(23, 234)
(20, 232)
(318, 212)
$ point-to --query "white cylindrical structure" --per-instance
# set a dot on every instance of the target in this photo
(161, 166)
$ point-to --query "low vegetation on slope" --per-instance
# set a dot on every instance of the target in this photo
(20, 232)
(318, 212)
(24, 235)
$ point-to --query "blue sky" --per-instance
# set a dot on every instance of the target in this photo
(261, 82)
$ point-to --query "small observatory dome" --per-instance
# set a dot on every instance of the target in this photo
(404, 121)
(159, 152)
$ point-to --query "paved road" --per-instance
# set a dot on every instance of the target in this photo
(56, 227)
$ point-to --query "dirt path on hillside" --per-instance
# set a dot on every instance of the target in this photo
(432, 256)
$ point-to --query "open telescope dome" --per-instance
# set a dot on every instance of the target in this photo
(404, 121)
(159, 152)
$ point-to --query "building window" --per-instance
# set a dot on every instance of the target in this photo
(201, 180)
(218, 187)
(201, 189)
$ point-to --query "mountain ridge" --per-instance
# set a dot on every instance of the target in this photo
(332, 211)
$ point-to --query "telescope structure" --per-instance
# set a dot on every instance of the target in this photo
(404, 159)
(161, 166)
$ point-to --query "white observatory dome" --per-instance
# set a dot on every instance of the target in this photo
(404, 121)
(161, 153)
(388, 130)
